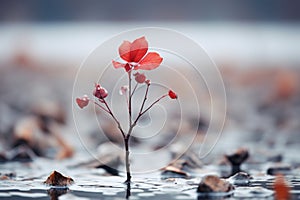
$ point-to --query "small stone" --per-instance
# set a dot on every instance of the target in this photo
(240, 179)
(275, 158)
(236, 159)
(22, 154)
(109, 163)
(57, 179)
(7, 176)
(173, 172)
(214, 184)
(109, 158)
(279, 168)
(179, 168)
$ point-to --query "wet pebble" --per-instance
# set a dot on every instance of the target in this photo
(240, 179)
(236, 159)
(279, 168)
(7, 176)
(173, 172)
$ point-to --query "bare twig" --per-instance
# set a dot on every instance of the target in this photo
(113, 116)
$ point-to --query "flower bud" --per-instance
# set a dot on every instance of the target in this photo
(83, 101)
(100, 92)
(123, 90)
(172, 94)
(140, 78)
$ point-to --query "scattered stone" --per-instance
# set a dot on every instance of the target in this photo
(182, 165)
(214, 184)
(49, 111)
(236, 159)
(279, 168)
(275, 158)
(109, 159)
(240, 179)
(57, 179)
(173, 172)
(7, 176)
(281, 188)
(22, 154)
(39, 132)
(109, 163)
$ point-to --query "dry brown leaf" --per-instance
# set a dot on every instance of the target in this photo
(281, 188)
(57, 179)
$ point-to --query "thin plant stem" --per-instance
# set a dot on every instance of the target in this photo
(143, 112)
(145, 99)
(113, 116)
(154, 103)
(130, 96)
(100, 106)
(127, 164)
(134, 90)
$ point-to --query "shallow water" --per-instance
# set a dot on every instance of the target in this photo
(93, 184)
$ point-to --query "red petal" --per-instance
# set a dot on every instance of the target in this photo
(118, 64)
(138, 49)
(124, 50)
(151, 61)
(172, 94)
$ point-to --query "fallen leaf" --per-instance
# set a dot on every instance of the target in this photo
(281, 188)
(57, 179)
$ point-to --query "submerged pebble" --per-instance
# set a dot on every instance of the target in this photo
(240, 179)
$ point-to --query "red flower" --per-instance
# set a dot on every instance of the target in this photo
(83, 101)
(135, 56)
(140, 78)
(172, 94)
(100, 92)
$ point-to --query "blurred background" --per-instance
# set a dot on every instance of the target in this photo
(255, 44)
